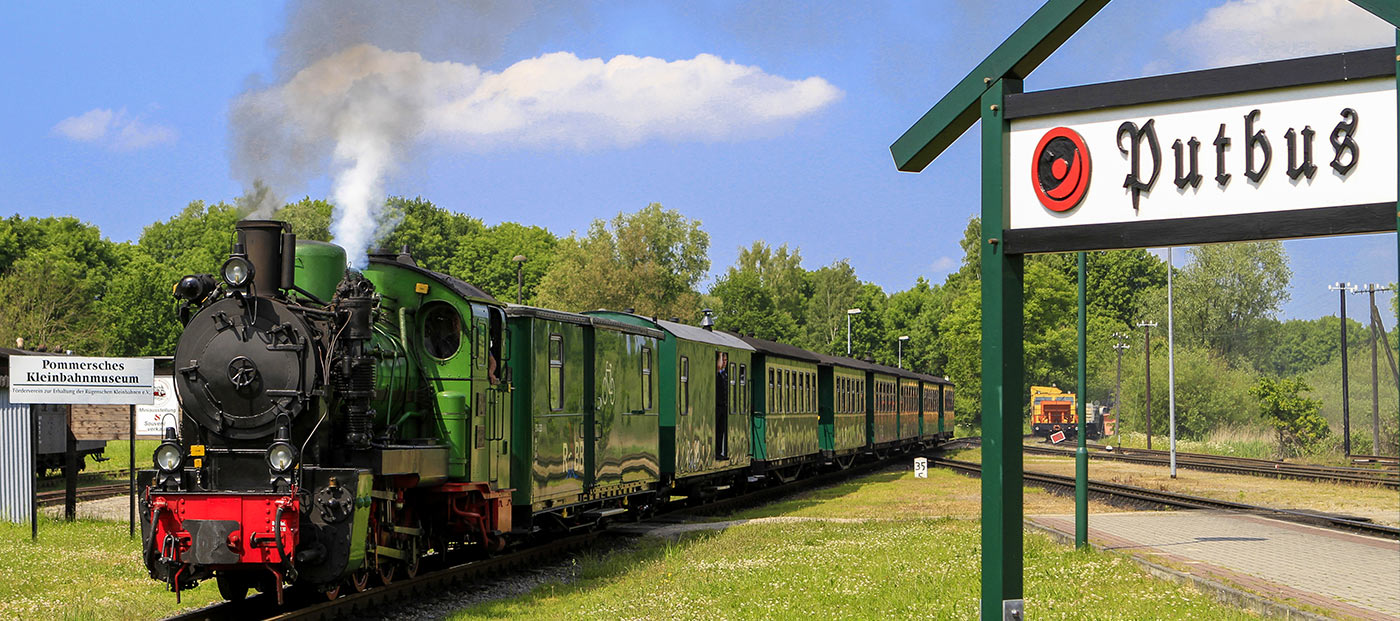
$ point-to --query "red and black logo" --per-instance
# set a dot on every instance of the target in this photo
(1060, 172)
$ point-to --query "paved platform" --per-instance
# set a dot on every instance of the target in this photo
(1352, 575)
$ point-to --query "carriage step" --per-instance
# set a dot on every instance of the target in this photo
(598, 514)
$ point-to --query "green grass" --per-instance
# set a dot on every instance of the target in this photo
(118, 452)
(907, 561)
(1251, 442)
(916, 568)
(82, 570)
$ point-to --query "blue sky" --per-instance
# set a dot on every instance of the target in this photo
(119, 114)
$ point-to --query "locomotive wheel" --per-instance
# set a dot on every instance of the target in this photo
(231, 587)
(386, 572)
(360, 579)
(415, 559)
(333, 592)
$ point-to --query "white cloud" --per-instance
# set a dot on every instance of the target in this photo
(362, 108)
(87, 127)
(1247, 31)
(945, 264)
(114, 129)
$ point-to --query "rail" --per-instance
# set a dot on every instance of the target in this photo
(1120, 492)
(1238, 465)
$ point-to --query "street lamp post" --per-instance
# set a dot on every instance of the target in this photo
(902, 339)
(519, 276)
(849, 313)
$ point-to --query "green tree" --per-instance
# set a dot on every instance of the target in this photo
(195, 241)
(487, 259)
(914, 312)
(1228, 291)
(310, 218)
(46, 298)
(745, 306)
(834, 291)
(432, 234)
(1294, 416)
(137, 310)
(650, 261)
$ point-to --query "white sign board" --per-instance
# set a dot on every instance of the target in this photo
(76, 380)
(163, 413)
(1324, 145)
(920, 468)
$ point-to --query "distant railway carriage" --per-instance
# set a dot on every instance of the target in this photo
(787, 409)
(936, 403)
(841, 393)
(584, 433)
(704, 401)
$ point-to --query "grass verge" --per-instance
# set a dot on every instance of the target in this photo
(82, 570)
(905, 559)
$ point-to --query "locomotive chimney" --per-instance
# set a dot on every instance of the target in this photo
(262, 244)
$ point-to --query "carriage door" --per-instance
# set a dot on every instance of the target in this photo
(486, 367)
(498, 399)
(721, 405)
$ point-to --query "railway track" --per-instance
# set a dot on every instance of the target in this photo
(302, 604)
(1238, 465)
(1114, 492)
(91, 492)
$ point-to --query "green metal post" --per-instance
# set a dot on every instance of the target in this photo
(1081, 454)
(1002, 360)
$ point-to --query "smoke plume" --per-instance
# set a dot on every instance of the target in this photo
(355, 93)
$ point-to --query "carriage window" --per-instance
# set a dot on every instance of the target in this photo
(768, 399)
(685, 385)
(646, 379)
(788, 394)
(734, 388)
(778, 391)
(442, 330)
(556, 372)
(743, 388)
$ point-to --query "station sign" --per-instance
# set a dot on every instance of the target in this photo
(1176, 172)
(80, 380)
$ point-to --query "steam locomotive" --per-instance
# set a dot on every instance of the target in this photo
(339, 424)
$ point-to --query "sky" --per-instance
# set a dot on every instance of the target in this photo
(768, 120)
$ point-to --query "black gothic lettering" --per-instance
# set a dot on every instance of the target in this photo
(1221, 142)
(1135, 135)
(1192, 179)
(1251, 140)
(1342, 142)
(1307, 168)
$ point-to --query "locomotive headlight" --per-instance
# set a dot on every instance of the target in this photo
(168, 457)
(237, 271)
(280, 456)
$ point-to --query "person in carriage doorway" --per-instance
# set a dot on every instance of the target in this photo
(721, 405)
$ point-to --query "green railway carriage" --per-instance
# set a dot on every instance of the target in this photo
(882, 406)
(586, 437)
(786, 404)
(703, 401)
(910, 409)
(841, 392)
(936, 420)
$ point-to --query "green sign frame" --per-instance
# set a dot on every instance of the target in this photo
(982, 95)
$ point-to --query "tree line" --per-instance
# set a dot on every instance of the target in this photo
(64, 286)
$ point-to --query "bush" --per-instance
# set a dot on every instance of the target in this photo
(1296, 418)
